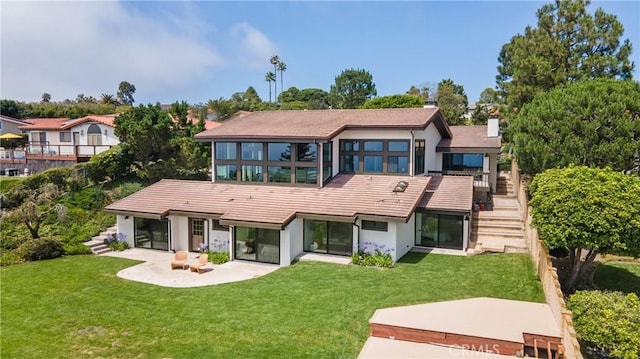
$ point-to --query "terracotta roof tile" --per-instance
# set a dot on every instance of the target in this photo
(318, 124)
(45, 123)
(345, 195)
(454, 193)
(469, 137)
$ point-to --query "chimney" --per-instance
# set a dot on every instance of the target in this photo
(431, 104)
(493, 126)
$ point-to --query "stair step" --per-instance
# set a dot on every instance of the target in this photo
(102, 251)
(515, 226)
(496, 235)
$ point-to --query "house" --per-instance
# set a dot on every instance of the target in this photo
(70, 138)
(10, 125)
(326, 181)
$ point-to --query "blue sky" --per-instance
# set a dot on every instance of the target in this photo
(196, 51)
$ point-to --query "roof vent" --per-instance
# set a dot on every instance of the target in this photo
(401, 186)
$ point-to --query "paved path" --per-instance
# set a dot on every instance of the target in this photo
(156, 269)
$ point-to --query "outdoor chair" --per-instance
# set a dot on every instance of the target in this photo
(202, 262)
(180, 260)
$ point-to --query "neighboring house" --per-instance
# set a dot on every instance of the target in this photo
(76, 138)
(327, 181)
(10, 125)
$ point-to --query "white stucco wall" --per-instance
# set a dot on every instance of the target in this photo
(285, 247)
(370, 240)
(109, 139)
(405, 236)
(433, 160)
(295, 238)
(179, 233)
(219, 241)
(126, 227)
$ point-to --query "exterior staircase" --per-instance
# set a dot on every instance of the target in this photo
(501, 229)
(97, 243)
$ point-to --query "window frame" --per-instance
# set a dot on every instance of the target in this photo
(63, 136)
(378, 226)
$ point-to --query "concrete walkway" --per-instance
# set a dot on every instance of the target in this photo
(156, 270)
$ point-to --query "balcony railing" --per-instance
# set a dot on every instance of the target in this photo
(480, 179)
(50, 152)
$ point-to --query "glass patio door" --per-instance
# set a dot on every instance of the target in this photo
(327, 237)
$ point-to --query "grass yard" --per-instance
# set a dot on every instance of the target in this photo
(76, 307)
(621, 276)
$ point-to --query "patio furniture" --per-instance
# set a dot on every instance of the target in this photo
(180, 260)
(202, 262)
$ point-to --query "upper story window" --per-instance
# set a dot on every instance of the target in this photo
(226, 150)
(306, 152)
(419, 157)
(252, 151)
(463, 162)
(65, 136)
(279, 152)
(376, 156)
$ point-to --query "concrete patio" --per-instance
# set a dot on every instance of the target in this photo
(156, 269)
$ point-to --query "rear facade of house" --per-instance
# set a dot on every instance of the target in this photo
(330, 182)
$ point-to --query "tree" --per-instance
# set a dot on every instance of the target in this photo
(46, 98)
(352, 88)
(223, 108)
(591, 123)
(108, 99)
(316, 99)
(146, 134)
(394, 101)
(39, 203)
(282, 67)
(270, 77)
(422, 91)
(125, 93)
(289, 95)
(488, 96)
(11, 108)
(568, 44)
(275, 60)
(452, 101)
(591, 209)
(480, 115)
(608, 321)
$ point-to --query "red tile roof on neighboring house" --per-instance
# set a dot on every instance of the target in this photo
(469, 137)
(346, 196)
(63, 123)
(13, 120)
(323, 124)
(452, 193)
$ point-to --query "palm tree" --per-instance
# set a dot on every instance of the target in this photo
(107, 99)
(274, 61)
(269, 77)
(282, 67)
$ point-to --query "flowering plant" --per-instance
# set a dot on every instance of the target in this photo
(373, 255)
(117, 241)
(203, 247)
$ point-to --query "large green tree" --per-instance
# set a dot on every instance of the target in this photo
(395, 101)
(590, 210)
(352, 88)
(316, 99)
(568, 44)
(593, 123)
(452, 101)
(146, 134)
(11, 108)
(125, 93)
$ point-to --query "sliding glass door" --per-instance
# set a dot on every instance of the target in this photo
(151, 233)
(257, 244)
(439, 230)
(328, 237)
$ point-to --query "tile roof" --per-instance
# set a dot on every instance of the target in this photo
(13, 120)
(453, 193)
(321, 124)
(346, 196)
(469, 137)
(64, 123)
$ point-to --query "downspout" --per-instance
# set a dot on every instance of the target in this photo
(412, 150)
(171, 249)
(357, 241)
(320, 182)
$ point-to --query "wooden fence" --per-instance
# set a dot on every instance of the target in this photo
(545, 270)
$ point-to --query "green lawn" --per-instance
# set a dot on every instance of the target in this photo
(76, 307)
(621, 276)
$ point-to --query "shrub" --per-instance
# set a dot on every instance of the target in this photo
(8, 258)
(608, 321)
(125, 189)
(117, 242)
(91, 198)
(75, 248)
(373, 255)
(504, 164)
(218, 257)
(43, 248)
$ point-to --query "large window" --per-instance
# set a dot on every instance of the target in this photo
(151, 233)
(279, 152)
(94, 135)
(439, 230)
(307, 175)
(226, 150)
(462, 162)
(306, 152)
(251, 173)
(257, 244)
(226, 172)
(252, 151)
(374, 156)
(327, 161)
(279, 174)
(327, 237)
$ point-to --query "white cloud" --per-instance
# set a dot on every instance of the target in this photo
(254, 48)
(67, 48)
